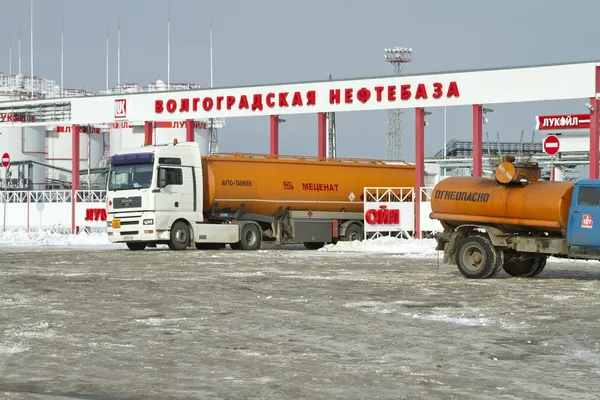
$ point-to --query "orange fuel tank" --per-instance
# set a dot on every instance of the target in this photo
(534, 206)
(263, 183)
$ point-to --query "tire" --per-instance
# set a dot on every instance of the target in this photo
(250, 239)
(526, 268)
(476, 257)
(540, 265)
(180, 236)
(136, 246)
(354, 232)
(499, 265)
(313, 245)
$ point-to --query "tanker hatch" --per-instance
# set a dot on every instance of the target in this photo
(510, 171)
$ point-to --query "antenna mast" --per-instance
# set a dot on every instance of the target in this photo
(9, 54)
(19, 48)
(31, 44)
(169, 45)
(211, 53)
(212, 133)
(107, 56)
(119, 51)
(62, 56)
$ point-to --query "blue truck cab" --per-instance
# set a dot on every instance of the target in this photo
(583, 226)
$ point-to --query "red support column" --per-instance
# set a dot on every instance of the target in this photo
(419, 166)
(274, 141)
(148, 133)
(477, 140)
(594, 129)
(189, 130)
(74, 174)
(322, 137)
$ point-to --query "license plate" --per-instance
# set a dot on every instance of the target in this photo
(127, 237)
(116, 223)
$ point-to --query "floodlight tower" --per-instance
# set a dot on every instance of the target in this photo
(398, 57)
(331, 142)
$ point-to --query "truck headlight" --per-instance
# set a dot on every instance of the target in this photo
(148, 221)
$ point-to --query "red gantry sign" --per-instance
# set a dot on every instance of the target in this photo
(562, 122)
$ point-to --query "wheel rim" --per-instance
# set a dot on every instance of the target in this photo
(354, 236)
(473, 258)
(181, 236)
(250, 238)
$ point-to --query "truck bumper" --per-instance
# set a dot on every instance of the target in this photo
(135, 229)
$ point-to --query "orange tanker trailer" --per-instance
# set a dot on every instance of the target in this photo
(264, 184)
(514, 221)
(293, 198)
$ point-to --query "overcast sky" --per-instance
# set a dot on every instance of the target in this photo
(269, 41)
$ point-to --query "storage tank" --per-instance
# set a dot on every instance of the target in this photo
(60, 151)
(264, 184)
(24, 144)
(123, 135)
(533, 206)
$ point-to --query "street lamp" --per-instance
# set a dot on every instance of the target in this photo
(426, 113)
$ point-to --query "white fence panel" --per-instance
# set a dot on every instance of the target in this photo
(428, 224)
(49, 215)
(51, 209)
(90, 214)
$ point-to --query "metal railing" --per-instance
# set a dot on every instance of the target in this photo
(52, 196)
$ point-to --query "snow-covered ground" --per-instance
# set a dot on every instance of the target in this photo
(421, 248)
(42, 238)
(408, 248)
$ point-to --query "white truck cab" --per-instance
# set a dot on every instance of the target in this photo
(154, 196)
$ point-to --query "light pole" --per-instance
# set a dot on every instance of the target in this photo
(398, 57)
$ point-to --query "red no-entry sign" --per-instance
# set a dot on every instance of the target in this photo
(551, 145)
(5, 160)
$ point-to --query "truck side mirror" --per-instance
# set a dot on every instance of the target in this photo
(162, 178)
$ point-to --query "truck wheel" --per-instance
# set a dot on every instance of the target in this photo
(540, 265)
(476, 257)
(529, 267)
(136, 245)
(354, 232)
(180, 236)
(251, 238)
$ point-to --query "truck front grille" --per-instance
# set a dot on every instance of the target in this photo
(127, 202)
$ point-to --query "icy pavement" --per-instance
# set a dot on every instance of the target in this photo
(289, 324)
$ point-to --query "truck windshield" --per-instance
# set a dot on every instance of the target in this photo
(130, 176)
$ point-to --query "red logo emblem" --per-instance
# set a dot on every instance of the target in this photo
(95, 214)
(382, 216)
(120, 108)
(287, 185)
(587, 221)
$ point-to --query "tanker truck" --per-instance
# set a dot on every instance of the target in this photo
(170, 194)
(515, 221)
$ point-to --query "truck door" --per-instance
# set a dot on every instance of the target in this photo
(584, 216)
(178, 195)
